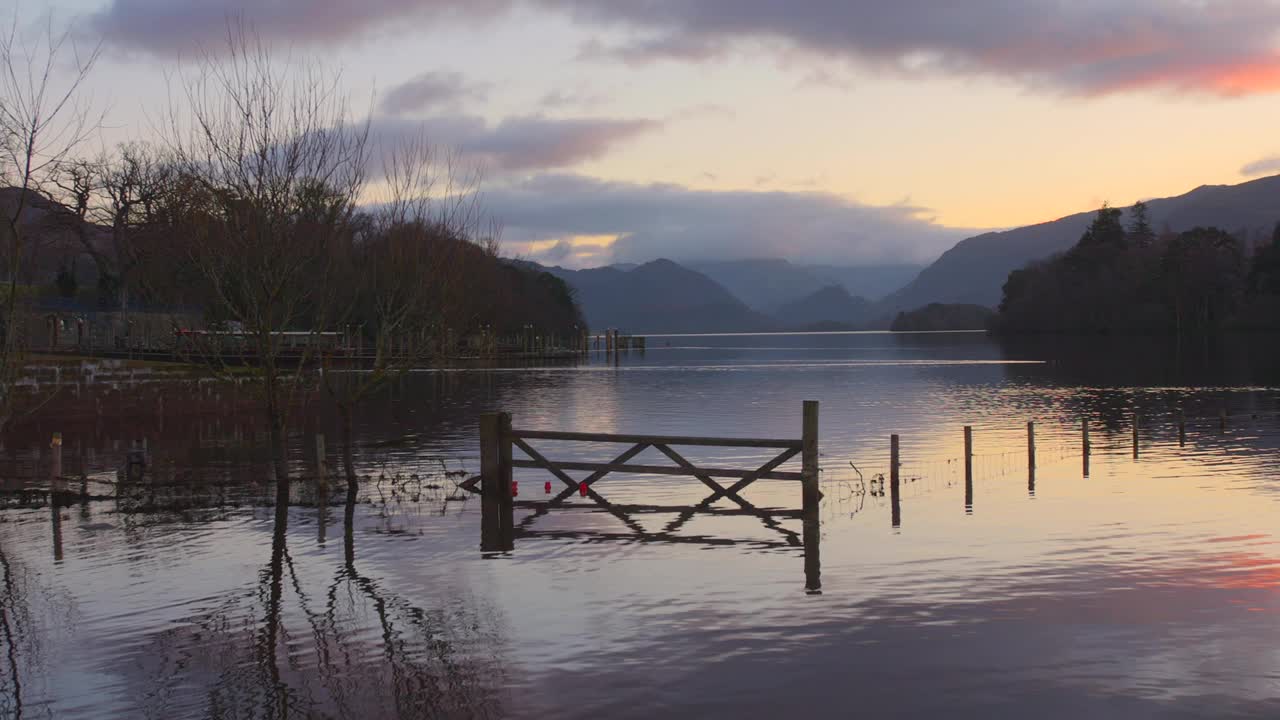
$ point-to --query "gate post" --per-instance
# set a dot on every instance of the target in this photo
(812, 497)
(809, 455)
(497, 527)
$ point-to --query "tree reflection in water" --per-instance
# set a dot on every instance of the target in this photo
(31, 615)
(364, 651)
(14, 616)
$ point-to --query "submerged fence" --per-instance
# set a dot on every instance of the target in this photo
(31, 475)
(906, 476)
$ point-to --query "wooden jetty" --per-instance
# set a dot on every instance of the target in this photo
(612, 342)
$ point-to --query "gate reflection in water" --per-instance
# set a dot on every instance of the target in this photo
(808, 539)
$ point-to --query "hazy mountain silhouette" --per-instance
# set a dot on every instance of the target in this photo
(763, 284)
(872, 282)
(831, 305)
(974, 271)
(767, 284)
(659, 297)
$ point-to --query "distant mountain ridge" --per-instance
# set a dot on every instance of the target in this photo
(666, 297)
(773, 294)
(659, 297)
(873, 282)
(829, 305)
(766, 284)
(975, 270)
(763, 284)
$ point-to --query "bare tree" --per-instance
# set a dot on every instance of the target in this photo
(399, 275)
(44, 119)
(274, 164)
(115, 207)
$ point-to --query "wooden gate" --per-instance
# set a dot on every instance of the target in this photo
(498, 440)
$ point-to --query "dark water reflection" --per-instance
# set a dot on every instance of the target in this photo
(1149, 589)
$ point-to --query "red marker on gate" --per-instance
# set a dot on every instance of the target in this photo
(582, 489)
(546, 487)
(515, 488)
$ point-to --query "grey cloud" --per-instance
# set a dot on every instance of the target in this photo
(685, 47)
(1227, 47)
(532, 142)
(580, 97)
(430, 90)
(175, 27)
(539, 142)
(562, 250)
(1263, 166)
(672, 221)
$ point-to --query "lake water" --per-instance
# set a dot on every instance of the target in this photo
(1148, 589)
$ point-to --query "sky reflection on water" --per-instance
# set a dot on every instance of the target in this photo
(1148, 589)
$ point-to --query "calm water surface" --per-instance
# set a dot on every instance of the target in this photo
(1150, 588)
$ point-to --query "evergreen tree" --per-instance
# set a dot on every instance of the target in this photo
(1106, 230)
(1204, 275)
(1140, 231)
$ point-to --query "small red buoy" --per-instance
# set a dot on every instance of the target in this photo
(515, 488)
(582, 489)
(546, 487)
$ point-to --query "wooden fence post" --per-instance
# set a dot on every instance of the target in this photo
(55, 464)
(1084, 433)
(57, 491)
(1031, 446)
(505, 487)
(1222, 419)
(1182, 428)
(968, 467)
(1031, 457)
(809, 455)
(895, 479)
(812, 497)
(497, 527)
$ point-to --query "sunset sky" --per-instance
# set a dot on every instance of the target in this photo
(836, 131)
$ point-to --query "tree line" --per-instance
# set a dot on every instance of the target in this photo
(1124, 277)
